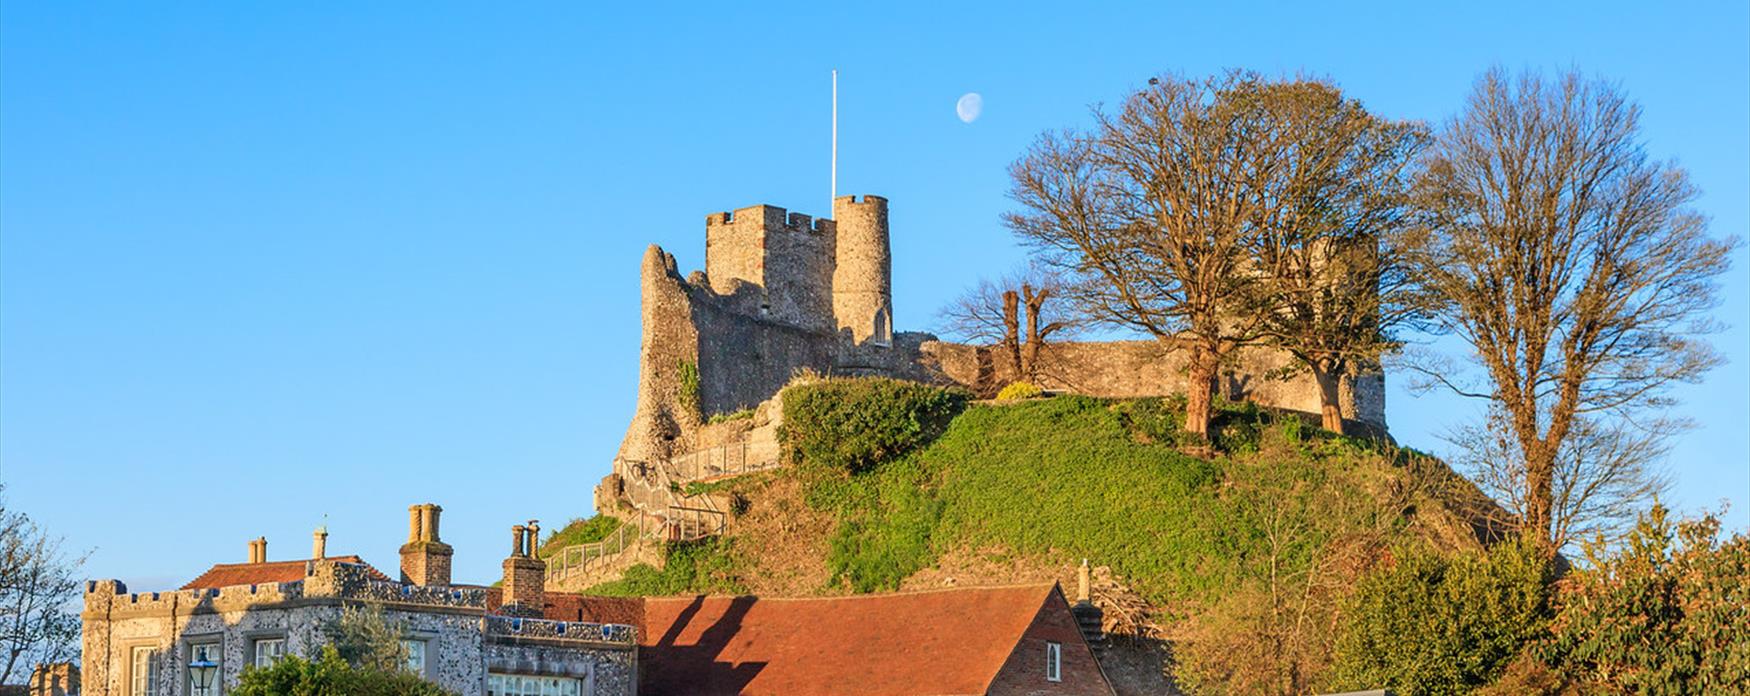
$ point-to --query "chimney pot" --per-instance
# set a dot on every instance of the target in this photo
(319, 543)
(429, 522)
(413, 522)
(516, 540)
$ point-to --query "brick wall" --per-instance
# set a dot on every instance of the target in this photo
(1023, 674)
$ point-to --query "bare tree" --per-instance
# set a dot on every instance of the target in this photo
(1015, 313)
(1338, 279)
(37, 589)
(1568, 261)
(1605, 474)
(1156, 212)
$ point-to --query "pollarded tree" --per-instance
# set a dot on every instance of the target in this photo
(1015, 312)
(1155, 212)
(1331, 245)
(1567, 260)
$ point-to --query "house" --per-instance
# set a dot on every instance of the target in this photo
(517, 639)
(975, 641)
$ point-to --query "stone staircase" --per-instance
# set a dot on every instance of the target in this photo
(662, 511)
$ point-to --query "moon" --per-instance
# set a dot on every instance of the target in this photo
(969, 107)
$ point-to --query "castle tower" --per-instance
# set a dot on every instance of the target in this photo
(862, 278)
(784, 258)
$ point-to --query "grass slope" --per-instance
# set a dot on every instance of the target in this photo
(1071, 477)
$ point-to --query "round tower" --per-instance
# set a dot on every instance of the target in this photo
(862, 278)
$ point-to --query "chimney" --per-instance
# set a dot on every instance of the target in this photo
(258, 550)
(1089, 618)
(425, 559)
(525, 576)
(319, 543)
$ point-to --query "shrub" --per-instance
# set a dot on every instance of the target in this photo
(708, 565)
(367, 639)
(743, 414)
(1017, 391)
(1669, 614)
(850, 425)
(1436, 625)
(1154, 419)
(329, 675)
(579, 531)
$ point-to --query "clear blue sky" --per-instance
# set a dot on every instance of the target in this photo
(262, 263)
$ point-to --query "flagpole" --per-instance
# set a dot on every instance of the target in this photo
(835, 142)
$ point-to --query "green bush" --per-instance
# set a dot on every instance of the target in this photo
(1017, 391)
(1430, 624)
(579, 531)
(329, 675)
(850, 425)
(1669, 614)
(708, 565)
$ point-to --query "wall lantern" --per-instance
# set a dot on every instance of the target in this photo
(202, 670)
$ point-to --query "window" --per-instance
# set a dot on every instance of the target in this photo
(1053, 662)
(140, 671)
(269, 651)
(209, 652)
(523, 685)
(415, 655)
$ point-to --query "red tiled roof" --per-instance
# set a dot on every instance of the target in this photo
(941, 642)
(229, 574)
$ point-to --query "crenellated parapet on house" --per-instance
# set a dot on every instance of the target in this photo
(783, 293)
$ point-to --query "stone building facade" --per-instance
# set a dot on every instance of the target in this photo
(783, 292)
(469, 639)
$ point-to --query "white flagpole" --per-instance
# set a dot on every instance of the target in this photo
(835, 142)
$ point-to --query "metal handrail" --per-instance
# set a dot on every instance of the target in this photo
(727, 459)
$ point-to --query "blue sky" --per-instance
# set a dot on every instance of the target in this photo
(267, 264)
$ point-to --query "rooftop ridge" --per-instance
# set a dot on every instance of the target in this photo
(1040, 586)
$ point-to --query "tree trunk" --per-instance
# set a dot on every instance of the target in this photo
(1539, 498)
(1330, 409)
(1200, 388)
(1012, 332)
(1033, 339)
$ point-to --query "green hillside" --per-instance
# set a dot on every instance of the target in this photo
(1073, 477)
(891, 482)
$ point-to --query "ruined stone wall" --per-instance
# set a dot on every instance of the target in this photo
(1124, 369)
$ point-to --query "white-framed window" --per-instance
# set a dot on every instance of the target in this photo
(269, 651)
(205, 651)
(415, 655)
(140, 663)
(526, 685)
(1053, 661)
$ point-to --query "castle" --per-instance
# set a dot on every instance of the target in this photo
(783, 293)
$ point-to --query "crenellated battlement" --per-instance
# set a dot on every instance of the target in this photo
(769, 218)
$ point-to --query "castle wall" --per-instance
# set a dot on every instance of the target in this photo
(1124, 369)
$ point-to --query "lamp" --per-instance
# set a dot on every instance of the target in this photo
(202, 670)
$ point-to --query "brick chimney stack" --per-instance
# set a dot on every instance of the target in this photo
(258, 550)
(1088, 617)
(425, 558)
(525, 576)
(319, 543)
